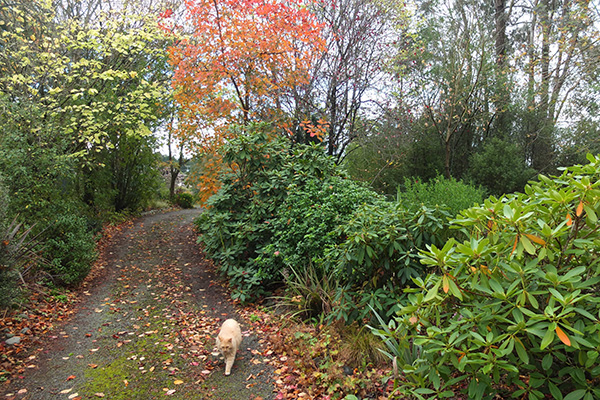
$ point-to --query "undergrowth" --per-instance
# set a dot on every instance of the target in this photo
(331, 363)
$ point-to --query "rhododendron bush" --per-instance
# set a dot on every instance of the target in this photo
(514, 309)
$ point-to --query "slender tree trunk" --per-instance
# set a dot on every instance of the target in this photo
(176, 170)
(174, 175)
(174, 166)
(531, 125)
(501, 20)
(448, 153)
(542, 138)
(333, 119)
(502, 93)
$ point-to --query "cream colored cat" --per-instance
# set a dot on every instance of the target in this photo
(228, 342)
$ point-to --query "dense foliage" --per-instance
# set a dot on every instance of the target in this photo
(454, 195)
(80, 91)
(289, 214)
(184, 200)
(307, 219)
(246, 226)
(499, 168)
(378, 257)
(69, 249)
(512, 310)
(382, 241)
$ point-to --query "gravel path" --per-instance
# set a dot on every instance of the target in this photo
(145, 327)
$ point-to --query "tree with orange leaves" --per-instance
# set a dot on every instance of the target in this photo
(239, 65)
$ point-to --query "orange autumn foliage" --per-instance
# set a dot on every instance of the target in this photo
(239, 65)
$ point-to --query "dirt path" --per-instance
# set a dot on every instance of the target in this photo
(145, 328)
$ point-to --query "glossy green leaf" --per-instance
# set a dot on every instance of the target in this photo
(548, 337)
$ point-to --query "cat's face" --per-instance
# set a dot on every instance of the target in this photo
(226, 344)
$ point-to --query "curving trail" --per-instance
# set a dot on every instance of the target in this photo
(145, 327)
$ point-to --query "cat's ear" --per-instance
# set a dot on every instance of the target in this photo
(230, 340)
(219, 338)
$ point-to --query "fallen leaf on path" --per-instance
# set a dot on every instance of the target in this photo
(66, 391)
(71, 377)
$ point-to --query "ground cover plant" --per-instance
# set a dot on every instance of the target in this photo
(513, 310)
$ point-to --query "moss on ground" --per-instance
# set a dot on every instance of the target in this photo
(145, 358)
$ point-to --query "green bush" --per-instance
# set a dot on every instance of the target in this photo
(453, 194)
(379, 255)
(184, 200)
(238, 223)
(513, 311)
(37, 177)
(500, 168)
(306, 222)
(69, 248)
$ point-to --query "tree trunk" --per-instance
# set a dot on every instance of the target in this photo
(448, 152)
(502, 123)
(333, 119)
(542, 136)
